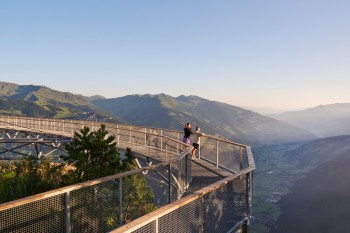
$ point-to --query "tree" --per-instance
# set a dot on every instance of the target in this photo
(93, 154)
(28, 177)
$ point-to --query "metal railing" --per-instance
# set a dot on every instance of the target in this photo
(220, 207)
(103, 204)
(96, 206)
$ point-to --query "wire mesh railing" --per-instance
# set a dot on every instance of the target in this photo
(221, 207)
(99, 205)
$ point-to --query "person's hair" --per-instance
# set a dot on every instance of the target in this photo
(197, 128)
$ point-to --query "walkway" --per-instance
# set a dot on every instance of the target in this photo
(204, 174)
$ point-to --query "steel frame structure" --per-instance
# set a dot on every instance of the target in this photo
(15, 145)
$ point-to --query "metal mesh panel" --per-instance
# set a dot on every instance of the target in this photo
(174, 187)
(208, 149)
(158, 180)
(173, 149)
(229, 156)
(184, 174)
(95, 208)
(171, 134)
(245, 162)
(225, 207)
(224, 154)
(149, 228)
(138, 198)
(185, 219)
(46, 215)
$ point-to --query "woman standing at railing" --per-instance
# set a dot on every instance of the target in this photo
(187, 134)
(197, 141)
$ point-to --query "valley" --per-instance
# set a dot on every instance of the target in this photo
(273, 178)
(288, 173)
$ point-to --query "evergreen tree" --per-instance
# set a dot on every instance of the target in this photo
(93, 154)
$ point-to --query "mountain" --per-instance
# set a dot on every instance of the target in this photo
(320, 151)
(319, 202)
(214, 118)
(41, 101)
(323, 121)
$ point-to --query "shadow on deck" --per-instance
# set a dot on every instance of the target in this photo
(204, 174)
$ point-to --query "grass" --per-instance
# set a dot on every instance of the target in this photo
(64, 113)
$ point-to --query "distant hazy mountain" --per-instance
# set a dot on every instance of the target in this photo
(319, 202)
(41, 101)
(214, 118)
(323, 121)
(268, 111)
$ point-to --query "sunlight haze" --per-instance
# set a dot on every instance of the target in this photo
(257, 54)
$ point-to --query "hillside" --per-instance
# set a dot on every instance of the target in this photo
(214, 118)
(323, 121)
(319, 202)
(41, 101)
(280, 167)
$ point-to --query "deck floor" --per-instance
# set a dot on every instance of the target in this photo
(204, 174)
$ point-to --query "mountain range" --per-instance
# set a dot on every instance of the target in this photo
(41, 101)
(323, 120)
(213, 117)
(161, 111)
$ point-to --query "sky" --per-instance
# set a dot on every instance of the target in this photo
(276, 54)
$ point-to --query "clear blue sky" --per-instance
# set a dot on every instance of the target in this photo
(271, 53)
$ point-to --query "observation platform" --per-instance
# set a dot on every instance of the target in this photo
(211, 194)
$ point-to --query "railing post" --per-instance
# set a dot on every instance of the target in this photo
(118, 135)
(249, 193)
(201, 216)
(130, 135)
(166, 151)
(186, 171)
(120, 201)
(247, 187)
(157, 226)
(146, 137)
(199, 151)
(217, 153)
(177, 144)
(241, 159)
(169, 188)
(67, 203)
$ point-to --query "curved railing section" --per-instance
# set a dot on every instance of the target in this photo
(114, 203)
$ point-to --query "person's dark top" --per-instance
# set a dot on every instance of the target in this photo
(188, 132)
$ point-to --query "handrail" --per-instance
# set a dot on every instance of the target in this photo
(97, 124)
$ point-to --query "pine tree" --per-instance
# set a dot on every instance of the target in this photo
(93, 154)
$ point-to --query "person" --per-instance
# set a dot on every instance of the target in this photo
(197, 141)
(187, 133)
